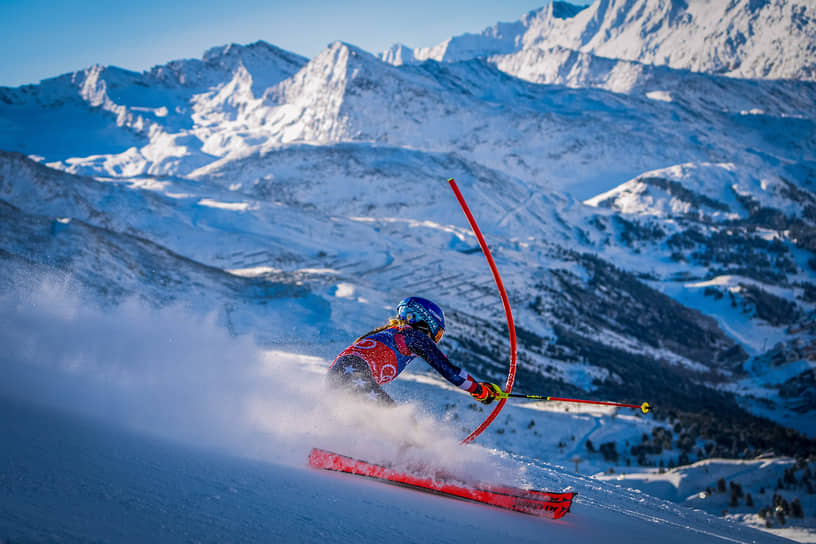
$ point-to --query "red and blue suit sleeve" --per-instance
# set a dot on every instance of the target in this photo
(421, 344)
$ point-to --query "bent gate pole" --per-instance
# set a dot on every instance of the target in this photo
(511, 375)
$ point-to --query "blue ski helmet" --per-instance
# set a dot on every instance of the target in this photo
(418, 311)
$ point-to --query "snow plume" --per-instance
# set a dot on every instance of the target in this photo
(307, 415)
(182, 376)
(161, 370)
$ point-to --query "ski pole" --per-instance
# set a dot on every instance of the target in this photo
(645, 407)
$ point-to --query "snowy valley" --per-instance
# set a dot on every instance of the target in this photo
(184, 251)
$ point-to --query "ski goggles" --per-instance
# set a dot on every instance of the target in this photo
(437, 336)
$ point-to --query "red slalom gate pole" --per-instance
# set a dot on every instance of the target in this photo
(511, 375)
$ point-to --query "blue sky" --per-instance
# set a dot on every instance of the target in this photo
(46, 38)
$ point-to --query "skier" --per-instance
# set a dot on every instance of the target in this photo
(378, 357)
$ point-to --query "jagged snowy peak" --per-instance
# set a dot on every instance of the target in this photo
(121, 109)
(348, 94)
(765, 39)
(268, 65)
(74, 115)
(397, 54)
(773, 39)
(226, 102)
(499, 39)
(307, 106)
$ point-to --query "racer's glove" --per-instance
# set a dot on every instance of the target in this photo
(486, 393)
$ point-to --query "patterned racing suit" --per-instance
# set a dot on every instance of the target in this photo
(378, 358)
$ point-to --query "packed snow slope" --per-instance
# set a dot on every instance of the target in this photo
(77, 480)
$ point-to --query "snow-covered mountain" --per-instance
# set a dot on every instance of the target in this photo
(745, 39)
(654, 225)
(107, 110)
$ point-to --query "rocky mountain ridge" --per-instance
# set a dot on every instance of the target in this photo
(767, 39)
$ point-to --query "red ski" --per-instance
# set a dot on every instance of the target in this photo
(537, 503)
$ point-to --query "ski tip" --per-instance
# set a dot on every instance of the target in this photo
(645, 407)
